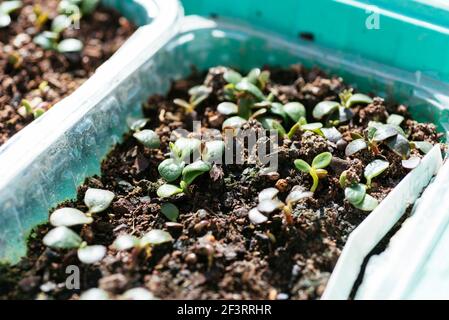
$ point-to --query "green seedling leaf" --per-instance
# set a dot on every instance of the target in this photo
(68, 217)
(343, 179)
(137, 124)
(355, 146)
(60, 23)
(322, 160)
(368, 204)
(125, 242)
(184, 104)
(324, 108)
(273, 124)
(355, 193)
(44, 42)
(314, 127)
(423, 146)
(295, 110)
(331, 134)
(399, 145)
(89, 6)
(303, 166)
(148, 138)
(358, 98)
(155, 237)
(278, 109)
(170, 211)
(255, 217)
(228, 108)
(38, 112)
(98, 200)
(171, 169)
(70, 46)
(8, 7)
(411, 163)
(213, 151)
(168, 190)
(374, 169)
(188, 146)
(395, 119)
(234, 122)
(91, 254)
(94, 294)
(193, 170)
(232, 76)
(253, 75)
(248, 87)
(62, 238)
(384, 132)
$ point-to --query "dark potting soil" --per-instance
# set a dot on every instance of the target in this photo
(217, 253)
(102, 33)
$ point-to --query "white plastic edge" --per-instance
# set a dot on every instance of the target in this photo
(398, 265)
(20, 151)
(368, 234)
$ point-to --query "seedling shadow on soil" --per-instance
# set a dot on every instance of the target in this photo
(185, 223)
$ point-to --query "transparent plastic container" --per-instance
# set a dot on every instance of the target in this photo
(47, 170)
(43, 163)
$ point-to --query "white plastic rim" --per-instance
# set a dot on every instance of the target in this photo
(369, 233)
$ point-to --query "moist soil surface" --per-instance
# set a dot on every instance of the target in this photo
(217, 253)
(102, 33)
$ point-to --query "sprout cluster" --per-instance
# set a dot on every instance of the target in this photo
(61, 237)
(316, 170)
(70, 12)
(6, 8)
(269, 202)
(145, 243)
(197, 95)
(175, 167)
(146, 137)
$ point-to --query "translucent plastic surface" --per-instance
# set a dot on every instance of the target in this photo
(84, 137)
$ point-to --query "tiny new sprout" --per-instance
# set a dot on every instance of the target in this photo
(170, 211)
(64, 238)
(71, 12)
(374, 169)
(96, 200)
(146, 137)
(173, 168)
(197, 95)
(30, 108)
(316, 170)
(251, 85)
(376, 133)
(6, 8)
(269, 202)
(152, 238)
(337, 112)
(357, 196)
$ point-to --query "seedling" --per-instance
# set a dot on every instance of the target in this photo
(252, 84)
(374, 169)
(377, 133)
(146, 137)
(357, 196)
(269, 202)
(175, 167)
(6, 8)
(71, 12)
(64, 238)
(197, 95)
(96, 200)
(422, 146)
(146, 242)
(316, 170)
(338, 112)
(170, 211)
(30, 108)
